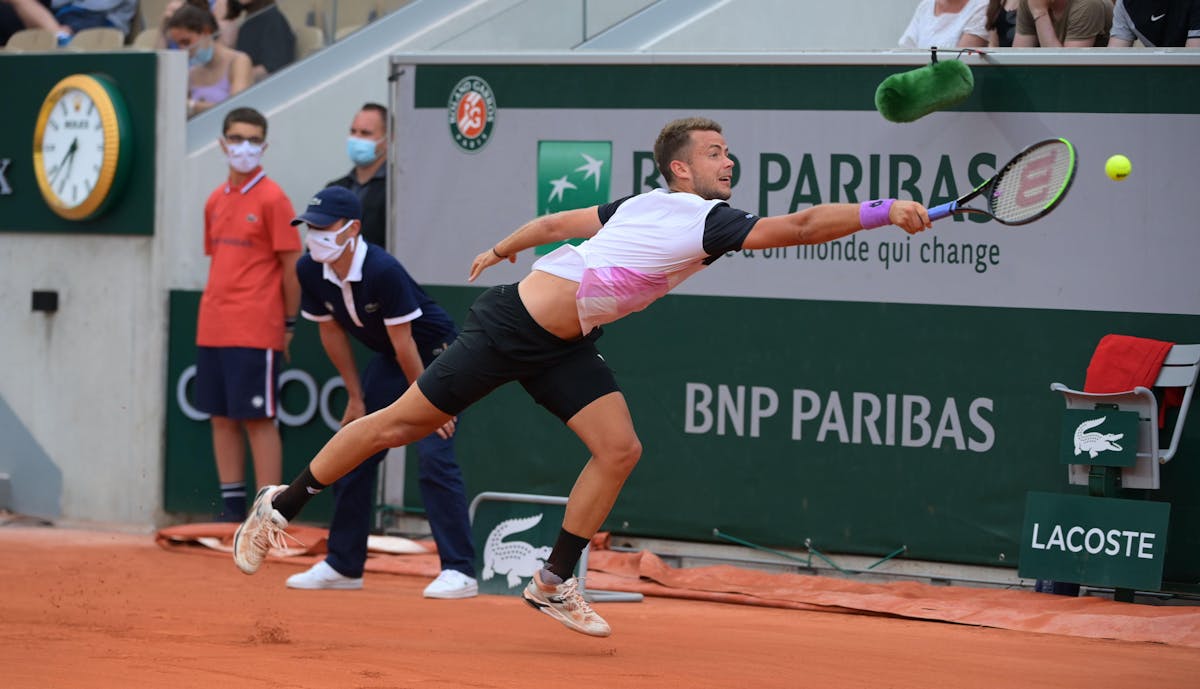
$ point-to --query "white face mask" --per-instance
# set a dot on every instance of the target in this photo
(323, 246)
(243, 157)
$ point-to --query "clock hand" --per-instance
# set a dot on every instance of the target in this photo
(68, 156)
(70, 166)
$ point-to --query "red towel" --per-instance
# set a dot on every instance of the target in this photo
(1122, 362)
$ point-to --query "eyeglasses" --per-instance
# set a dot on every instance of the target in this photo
(239, 139)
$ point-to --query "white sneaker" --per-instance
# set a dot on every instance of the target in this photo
(262, 530)
(566, 604)
(452, 583)
(322, 576)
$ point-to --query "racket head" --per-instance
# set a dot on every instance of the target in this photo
(1033, 183)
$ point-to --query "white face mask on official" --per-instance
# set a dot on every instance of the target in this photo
(323, 246)
(243, 157)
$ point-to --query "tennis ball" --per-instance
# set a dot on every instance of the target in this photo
(1117, 167)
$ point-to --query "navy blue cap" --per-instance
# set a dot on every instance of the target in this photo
(330, 205)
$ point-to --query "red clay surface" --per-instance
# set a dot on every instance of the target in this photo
(99, 610)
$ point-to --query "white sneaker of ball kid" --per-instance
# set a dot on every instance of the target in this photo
(322, 576)
(451, 584)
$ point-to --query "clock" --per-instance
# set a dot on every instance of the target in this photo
(81, 146)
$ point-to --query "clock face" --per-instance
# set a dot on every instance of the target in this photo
(78, 146)
(73, 148)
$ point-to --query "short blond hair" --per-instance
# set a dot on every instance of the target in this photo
(675, 138)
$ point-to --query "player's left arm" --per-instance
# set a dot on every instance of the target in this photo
(579, 223)
(828, 222)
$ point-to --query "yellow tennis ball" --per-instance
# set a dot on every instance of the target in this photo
(1117, 167)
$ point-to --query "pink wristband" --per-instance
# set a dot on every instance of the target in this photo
(873, 214)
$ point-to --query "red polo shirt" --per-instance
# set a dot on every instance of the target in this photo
(244, 229)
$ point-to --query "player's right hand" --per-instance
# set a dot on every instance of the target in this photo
(909, 216)
(486, 260)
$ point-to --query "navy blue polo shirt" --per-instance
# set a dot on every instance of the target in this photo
(376, 293)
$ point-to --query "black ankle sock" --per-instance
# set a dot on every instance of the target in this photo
(566, 553)
(296, 496)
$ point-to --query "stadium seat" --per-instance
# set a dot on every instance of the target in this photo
(344, 31)
(147, 39)
(151, 12)
(98, 39)
(32, 40)
(309, 39)
(350, 16)
(300, 13)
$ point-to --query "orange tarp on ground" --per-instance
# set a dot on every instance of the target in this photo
(646, 573)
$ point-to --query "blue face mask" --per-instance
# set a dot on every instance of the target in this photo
(201, 57)
(361, 151)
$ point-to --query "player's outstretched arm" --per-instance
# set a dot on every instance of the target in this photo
(580, 223)
(831, 221)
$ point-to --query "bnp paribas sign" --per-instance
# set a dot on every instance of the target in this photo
(1094, 541)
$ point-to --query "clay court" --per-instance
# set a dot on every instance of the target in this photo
(99, 609)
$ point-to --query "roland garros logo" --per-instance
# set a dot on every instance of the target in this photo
(472, 113)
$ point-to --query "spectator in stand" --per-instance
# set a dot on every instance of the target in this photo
(215, 71)
(226, 30)
(264, 35)
(1063, 23)
(1001, 23)
(18, 15)
(947, 24)
(89, 14)
(1156, 23)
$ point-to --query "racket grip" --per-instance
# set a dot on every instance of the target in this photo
(942, 211)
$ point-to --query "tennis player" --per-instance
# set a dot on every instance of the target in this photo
(542, 332)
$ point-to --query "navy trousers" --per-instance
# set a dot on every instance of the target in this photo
(440, 481)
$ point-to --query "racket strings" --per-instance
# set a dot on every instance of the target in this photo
(1033, 183)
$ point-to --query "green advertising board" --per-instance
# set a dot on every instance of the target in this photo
(78, 144)
(1096, 541)
(1106, 437)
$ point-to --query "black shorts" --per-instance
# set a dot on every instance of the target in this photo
(500, 342)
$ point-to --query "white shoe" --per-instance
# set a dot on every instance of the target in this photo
(262, 530)
(322, 576)
(452, 583)
(566, 604)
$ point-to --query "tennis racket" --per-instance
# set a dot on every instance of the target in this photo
(1031, 185)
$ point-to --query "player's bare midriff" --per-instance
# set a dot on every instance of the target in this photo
(550, 300)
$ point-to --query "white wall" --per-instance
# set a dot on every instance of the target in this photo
(86, 383)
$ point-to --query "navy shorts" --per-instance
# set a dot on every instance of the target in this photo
(237, 382)
(500, 342)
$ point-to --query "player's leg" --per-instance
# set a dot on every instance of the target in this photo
(606, 428)
(353, 495)
(580, 389)
(349, 529)
(460, 376)
(407, 419)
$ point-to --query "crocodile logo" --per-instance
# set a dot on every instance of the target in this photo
(516, 559)
(1093, 443)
